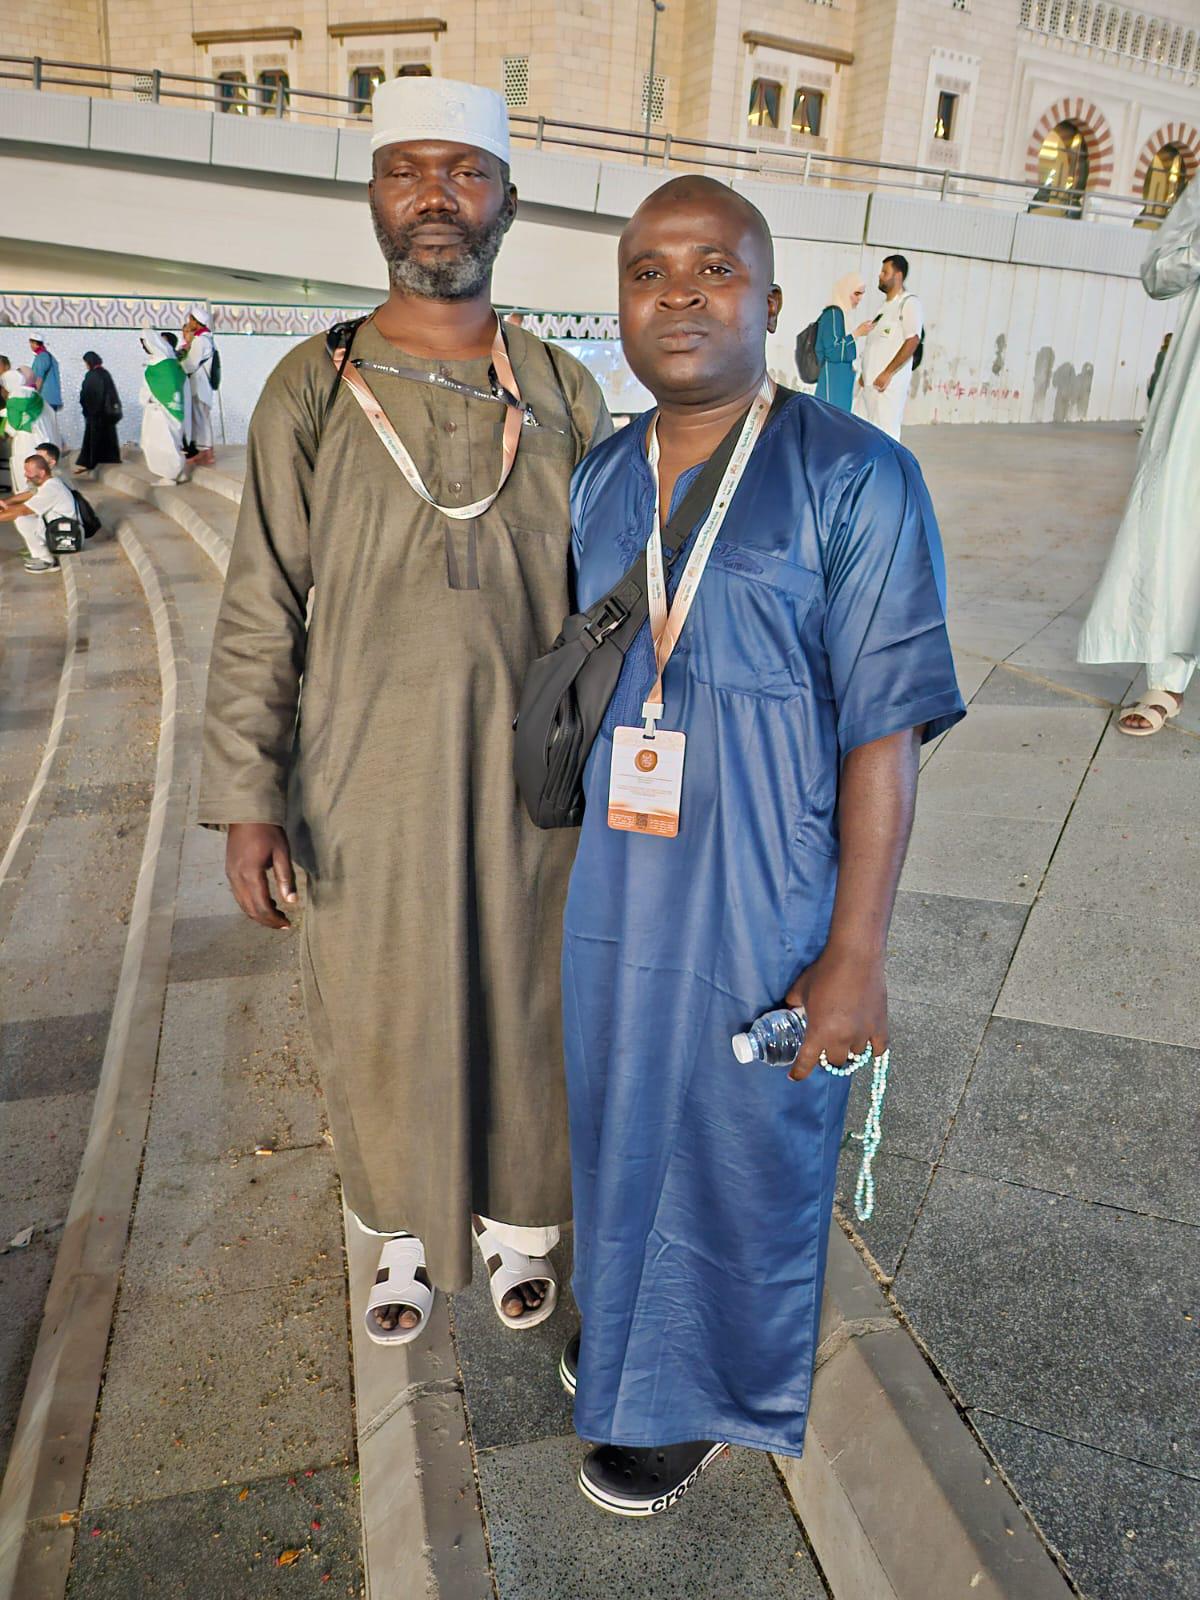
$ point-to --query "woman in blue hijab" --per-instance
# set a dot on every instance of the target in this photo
(812, 662)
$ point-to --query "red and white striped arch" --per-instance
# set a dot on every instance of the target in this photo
(1179, 133)
(1096, 133)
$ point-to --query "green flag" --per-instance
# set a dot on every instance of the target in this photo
(166, 380)
(23, 410)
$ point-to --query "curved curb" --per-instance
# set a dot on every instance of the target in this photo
(167, 500)
(219, 481)
(74, 656)
(42, 1488)
(896, 1494)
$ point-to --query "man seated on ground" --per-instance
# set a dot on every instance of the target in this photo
(51, 455)
(47, 498)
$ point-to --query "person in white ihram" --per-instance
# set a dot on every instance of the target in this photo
(166, 409)
(196, 358)
(886, 353)
(1147, 605)
(47, 497)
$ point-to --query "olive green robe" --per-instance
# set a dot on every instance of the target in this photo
(432, 930)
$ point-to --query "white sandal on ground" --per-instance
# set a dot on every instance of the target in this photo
(508, 1269)
(1157, 707)
(400, 1280)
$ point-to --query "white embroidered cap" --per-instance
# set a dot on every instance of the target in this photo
(408, 109)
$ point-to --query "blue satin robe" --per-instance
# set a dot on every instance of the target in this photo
(703, 1189)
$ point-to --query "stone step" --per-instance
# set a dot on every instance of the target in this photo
(206, 516)
(82, 887)
(223, 479)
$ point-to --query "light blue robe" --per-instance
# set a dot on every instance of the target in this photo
(1147, 606)
(703, 1189)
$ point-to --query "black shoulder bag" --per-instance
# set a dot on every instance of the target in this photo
(566, 691)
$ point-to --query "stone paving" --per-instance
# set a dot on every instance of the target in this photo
(1035, 1220)
(1037, 1214)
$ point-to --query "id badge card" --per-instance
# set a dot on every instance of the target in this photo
(647, 782)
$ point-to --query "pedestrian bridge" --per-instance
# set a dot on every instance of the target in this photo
(1029, 317)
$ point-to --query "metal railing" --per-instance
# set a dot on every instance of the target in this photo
(671, 152)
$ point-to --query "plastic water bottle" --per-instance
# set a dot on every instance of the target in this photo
(775, 1039)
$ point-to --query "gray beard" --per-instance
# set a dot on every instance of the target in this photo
(464, 278)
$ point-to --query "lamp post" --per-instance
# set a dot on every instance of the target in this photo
(658, 5)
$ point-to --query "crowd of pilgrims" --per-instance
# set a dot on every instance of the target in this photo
(180, 377)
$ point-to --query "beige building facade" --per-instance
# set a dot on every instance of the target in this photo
(1074, 96)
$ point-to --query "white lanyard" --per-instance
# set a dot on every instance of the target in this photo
(666, 627)
(513, 422)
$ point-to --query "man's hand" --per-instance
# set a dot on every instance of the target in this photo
(251, 850)
(845, 996)
(882, 381)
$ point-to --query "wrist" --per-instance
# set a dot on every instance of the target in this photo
(859, 949)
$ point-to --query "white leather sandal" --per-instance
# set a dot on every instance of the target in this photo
(401, 1280)
(1157, 707)
(508, 1269)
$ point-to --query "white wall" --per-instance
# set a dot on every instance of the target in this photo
(1050, 322)
(246, 363)
(1074, 340)
(247, 360)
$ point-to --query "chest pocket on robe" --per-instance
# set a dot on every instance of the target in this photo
(753, 607)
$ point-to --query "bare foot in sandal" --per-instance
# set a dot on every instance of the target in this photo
(1151, 712)
(519, 1293)
(526, 1297)
(389, 1317)
(402, 1296)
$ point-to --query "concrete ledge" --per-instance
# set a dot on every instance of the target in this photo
(422, 1526)
(897, 1495)
(43, 1486)
(19, 851)
(220, 482)
(212, 541)
(899, 223)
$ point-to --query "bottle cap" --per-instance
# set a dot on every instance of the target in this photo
(743, 1048)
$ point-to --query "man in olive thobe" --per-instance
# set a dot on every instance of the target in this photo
(432, 929)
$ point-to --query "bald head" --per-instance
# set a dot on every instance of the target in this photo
(697, 299)
(693, 191)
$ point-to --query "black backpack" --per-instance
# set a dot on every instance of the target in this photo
(807, 364)
(919, 352)
(114, 411)
(85, 511)
(214, 369)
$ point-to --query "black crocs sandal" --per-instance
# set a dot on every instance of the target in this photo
(642, 1482)
(568, 1366)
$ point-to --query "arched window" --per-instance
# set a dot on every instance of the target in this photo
(232, 94)
(363, 83)
(807, 107)
(1165, 181)
(274, 90)
(765, 96)
(1063, 169)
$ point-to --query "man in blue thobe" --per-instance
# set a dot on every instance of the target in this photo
(47, 380)
(812, 663)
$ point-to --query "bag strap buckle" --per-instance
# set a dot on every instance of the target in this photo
(607, 620)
